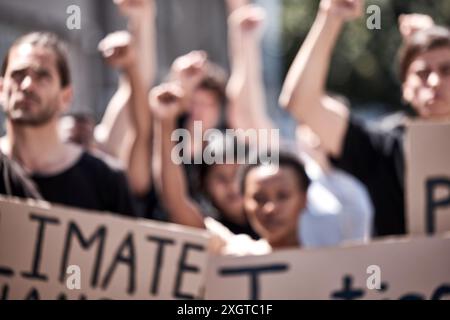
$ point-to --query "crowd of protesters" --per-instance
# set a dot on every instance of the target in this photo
(339, 181)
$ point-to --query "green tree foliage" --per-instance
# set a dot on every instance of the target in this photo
(364, 66)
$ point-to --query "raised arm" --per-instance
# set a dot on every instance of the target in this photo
(245, 89)
(170, 179)
(119, 49)
(141, 16)
(112, 134)
(303, 92)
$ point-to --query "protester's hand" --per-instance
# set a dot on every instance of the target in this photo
(346, 10)
(248, 20)
(118, 50)
(411, 23)
(189, 70)
(135, 10)
(165, 101)
(235, 4)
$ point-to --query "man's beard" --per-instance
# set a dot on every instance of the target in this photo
(32, 120)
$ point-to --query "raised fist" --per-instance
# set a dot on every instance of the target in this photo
(135, 9)
(411, 23)
(190, 69)
(248, 19)
(165, 101)
(346, 10)
(118, 49)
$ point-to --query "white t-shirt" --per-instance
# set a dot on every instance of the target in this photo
(339, 210)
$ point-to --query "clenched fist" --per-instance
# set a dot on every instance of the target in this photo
(189, 70)
(248, 19)
(118, 50)
(165, 101)
(346, 10)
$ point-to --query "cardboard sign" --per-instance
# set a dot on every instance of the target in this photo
(427, 153)
(396, 269)
(45, 250)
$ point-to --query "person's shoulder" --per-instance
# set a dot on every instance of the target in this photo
(392, 123)
(383, 131)
(94, 164)
(110, 161)
(14, 181)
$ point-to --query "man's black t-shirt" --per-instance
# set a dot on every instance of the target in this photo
(376, 158)
(89, 184)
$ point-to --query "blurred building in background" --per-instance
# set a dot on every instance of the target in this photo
(182, 26)
(93, 83)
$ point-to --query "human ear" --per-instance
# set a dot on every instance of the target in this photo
(66, 98)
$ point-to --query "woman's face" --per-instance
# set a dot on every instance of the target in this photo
(273, 200)
(427, 84)
(206, 108)
(222, 186)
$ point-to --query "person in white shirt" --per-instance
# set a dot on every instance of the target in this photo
(275, 195)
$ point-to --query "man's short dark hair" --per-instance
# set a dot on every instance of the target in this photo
(47, 40)
(422, 41)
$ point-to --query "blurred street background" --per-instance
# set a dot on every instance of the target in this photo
(363, 68)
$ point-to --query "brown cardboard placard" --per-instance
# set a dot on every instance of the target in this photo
(427, 155)
(399, 268)
(118, 258)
